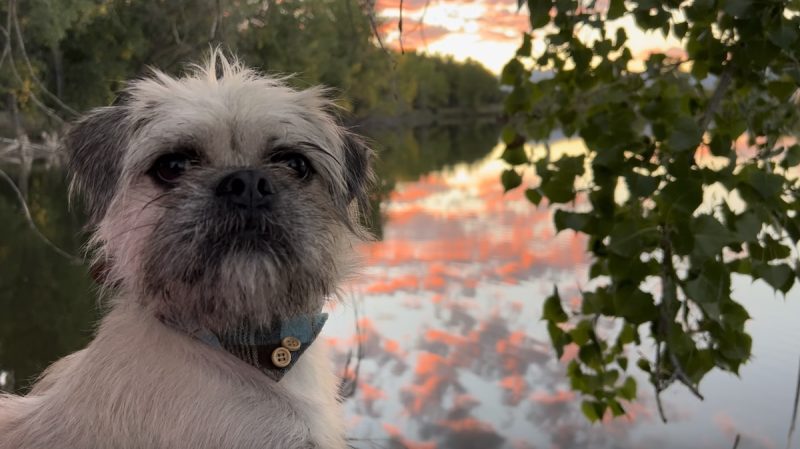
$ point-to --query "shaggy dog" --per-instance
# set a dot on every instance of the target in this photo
(223, 206)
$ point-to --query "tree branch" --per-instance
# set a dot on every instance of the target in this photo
(26, 211)
(12, 11)
(723, 84)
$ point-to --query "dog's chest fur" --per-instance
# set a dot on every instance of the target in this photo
(140, 384)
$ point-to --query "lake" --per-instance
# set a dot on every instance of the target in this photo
(446, 315)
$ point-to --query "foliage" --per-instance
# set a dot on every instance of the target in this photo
(82, 51)
(689, 176)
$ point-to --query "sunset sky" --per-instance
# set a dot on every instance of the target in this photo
(488, 31)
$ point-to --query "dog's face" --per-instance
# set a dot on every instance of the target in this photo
(221, 199)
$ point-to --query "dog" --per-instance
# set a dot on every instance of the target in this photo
(224, 208)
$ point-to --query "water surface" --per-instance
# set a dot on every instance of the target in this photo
(447, 313)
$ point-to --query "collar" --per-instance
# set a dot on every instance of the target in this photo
(273, 350)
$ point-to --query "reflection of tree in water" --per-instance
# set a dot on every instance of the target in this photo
(46, 304)
(441, 410)
(406, 154)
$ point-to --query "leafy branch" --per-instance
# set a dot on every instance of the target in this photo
(658, 134)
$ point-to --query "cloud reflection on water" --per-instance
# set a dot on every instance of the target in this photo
(454, 353)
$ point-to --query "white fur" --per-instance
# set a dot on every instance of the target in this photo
(140, 384)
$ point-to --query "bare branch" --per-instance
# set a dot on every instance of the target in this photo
(400, 29)
(12, 12)
(657, 383)
(370, 5)
(26, 211)
(794, 411)
(716, 98)
(669, 299)
(348, 387)
(682, 377)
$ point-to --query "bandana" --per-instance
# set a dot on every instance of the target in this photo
(273, 350)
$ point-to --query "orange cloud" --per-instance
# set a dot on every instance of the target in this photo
(515, 388)
(468, 424)
(560, 396)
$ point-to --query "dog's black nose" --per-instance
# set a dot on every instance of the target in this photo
(246, 188)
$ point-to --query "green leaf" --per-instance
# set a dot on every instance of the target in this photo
(582, 332)
(557, 191)
(526, 47)
(720, 145)
(540, 12)
(768, 185)
(621, 37)
(628, 389)
(700, 68)
(630, 270)
(553, 311)
(589, 410)
(515, 155)
(737, 8)
(595, 302)
(590, 355)
(678, 200)
(697, 364)
(781, 90)
(635, 306)
(748, 226)
(741, 266)
(735, 315)
(627, 239)
(686, 135)
(533, 196)
(641, 186)
(710, 288)
(616, 9)
(570, 220)
(509, 134)
(784, 36)
(510, 179)
(710, 236)
(512, 72)
(558, 338)
(680, 29)
(734, 348)
(616, 408)
(791, 157)
(627, 334)
(780, 276)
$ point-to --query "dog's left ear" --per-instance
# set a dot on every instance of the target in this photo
(358, 158)
(95, 148)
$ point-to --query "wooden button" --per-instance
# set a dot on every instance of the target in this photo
(291, 343)
(281, 357)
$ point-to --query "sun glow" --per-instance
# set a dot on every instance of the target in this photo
(483, 30)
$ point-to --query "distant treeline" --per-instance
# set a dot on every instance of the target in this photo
(82, 51)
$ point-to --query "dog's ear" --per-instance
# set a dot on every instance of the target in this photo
(95, 149)
(358, 158)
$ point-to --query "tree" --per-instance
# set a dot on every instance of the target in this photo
(659, 137)
(64, 56)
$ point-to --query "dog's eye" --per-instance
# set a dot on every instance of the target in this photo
(168, 168)
(297, 162)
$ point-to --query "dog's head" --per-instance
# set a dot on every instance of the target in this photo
(221, 196)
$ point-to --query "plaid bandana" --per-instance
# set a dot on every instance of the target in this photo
(273, 350)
